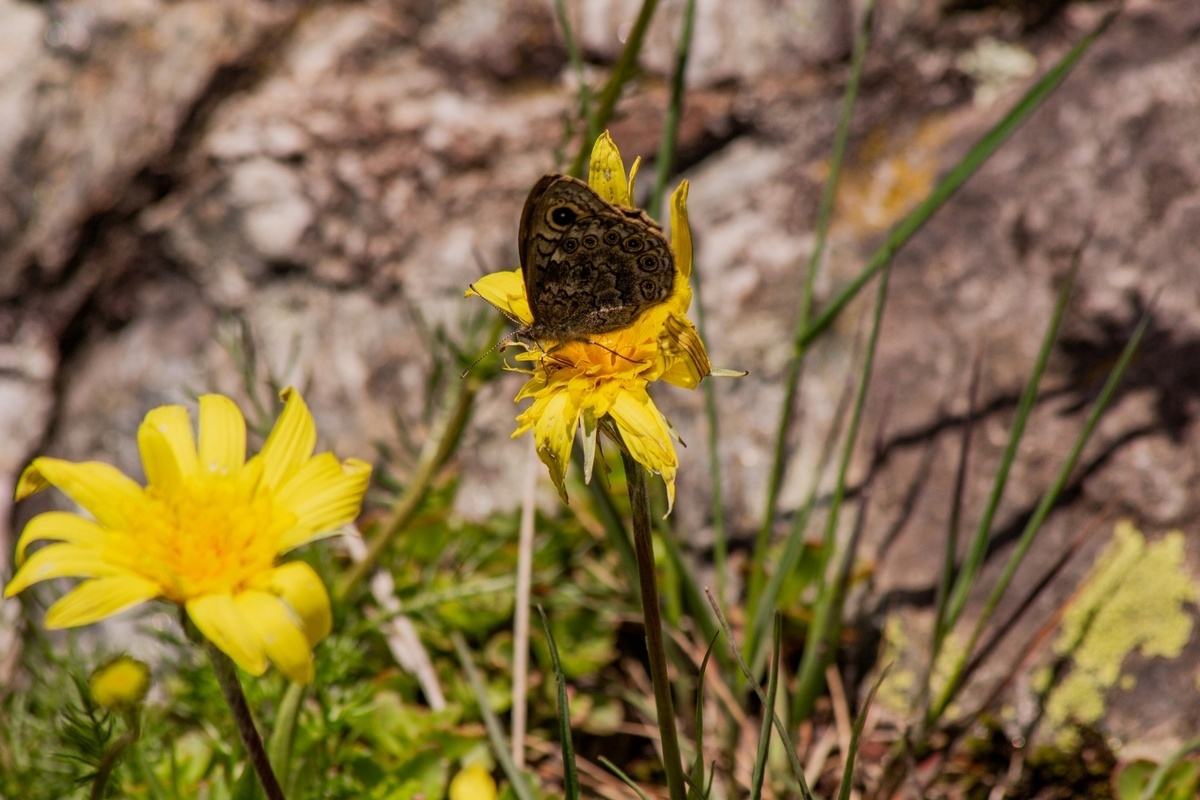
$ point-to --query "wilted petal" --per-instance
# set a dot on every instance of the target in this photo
(645, 432)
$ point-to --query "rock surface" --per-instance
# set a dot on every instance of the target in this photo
(331, 177)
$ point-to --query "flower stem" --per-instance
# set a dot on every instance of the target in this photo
(231, 687)
(109, 762)
(635, 479)
(437, 451)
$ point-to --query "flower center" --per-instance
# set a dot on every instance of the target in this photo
(212, 535)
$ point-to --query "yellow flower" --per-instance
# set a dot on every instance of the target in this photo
(602, 382)
(204, 533)
(473, 783)
(120, 684)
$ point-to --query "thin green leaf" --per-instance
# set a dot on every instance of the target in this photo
(794, 545)
(971, 162)
(791, 381)
(977, 549)
(570, 773)
(279, 746)
(780, 729)
(820, 642)
(575, 59)
(696, 776)
(628, 781)
(665, 163)
(764, 734)
(859, 723)
(611, 93)
(516, 778)
(1049, 498)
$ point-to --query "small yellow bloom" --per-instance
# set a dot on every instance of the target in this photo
(204, 533)
(120, 684)
(603, 381)
(473, 782)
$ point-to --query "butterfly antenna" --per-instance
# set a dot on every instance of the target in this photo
(485, 354)
(614, 352)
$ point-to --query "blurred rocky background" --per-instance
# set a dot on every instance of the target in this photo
(324, 179)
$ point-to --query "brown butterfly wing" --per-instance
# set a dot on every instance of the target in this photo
(589, 267)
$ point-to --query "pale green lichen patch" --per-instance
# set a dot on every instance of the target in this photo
(901, 687)
(1134, 600)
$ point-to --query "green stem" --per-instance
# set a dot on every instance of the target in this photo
(635, 479)
(109, 762)
(231, 687)
(432, 460)
(616, 82)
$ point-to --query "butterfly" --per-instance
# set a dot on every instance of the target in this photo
(590, 267)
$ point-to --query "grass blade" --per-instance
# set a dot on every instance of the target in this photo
(791, 381)
(665, 163)
(516, 778)
(764, 735)
(970, 164)
(977, 549)
(696, 776)
(856, 734)
(820, 640)
(570, 773)
(575, 59)
(955, 682)
(780, 729)
(622, 72)
(628, 781)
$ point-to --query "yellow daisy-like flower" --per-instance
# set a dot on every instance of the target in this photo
(120, 684)
(602, 381)
(204, 533)
(473, 782)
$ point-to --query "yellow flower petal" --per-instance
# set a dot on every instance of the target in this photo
(168, 447)
(324, 495)
(290, 442)
(606, 172)
(681, 232)
(683, 359)
(505, 291)
(556, 419)
(205, 534)
(608, 373)
(647, 436)
(60, 561)
(96, 599)
(222, 623)
(278, 630)
(299, 586)
(101, 489)
(222, 434)
(59, 526)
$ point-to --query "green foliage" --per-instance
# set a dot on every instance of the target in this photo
(366, 728)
